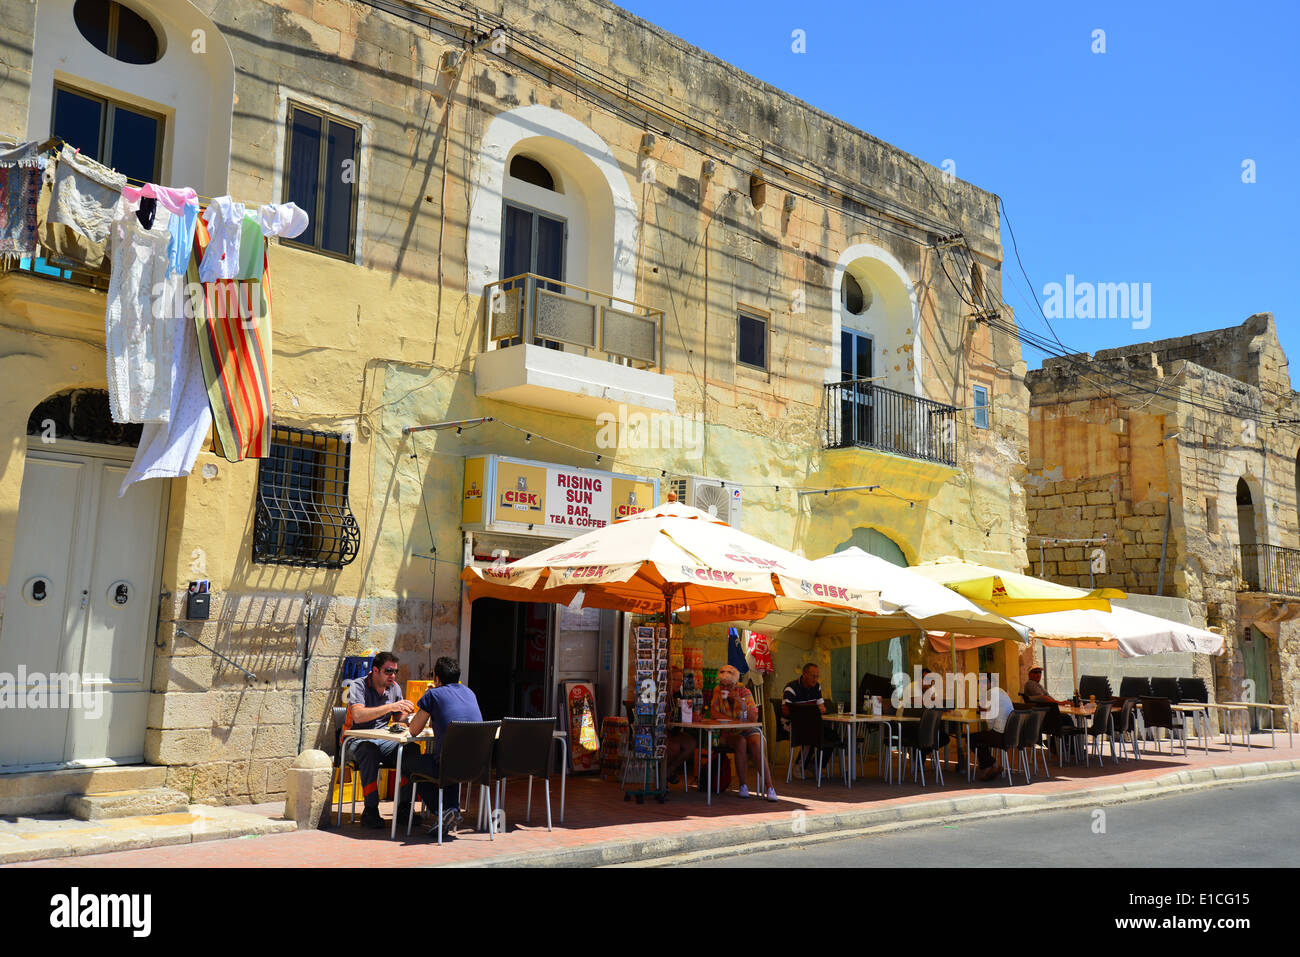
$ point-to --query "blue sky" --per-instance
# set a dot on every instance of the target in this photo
(1122, 166)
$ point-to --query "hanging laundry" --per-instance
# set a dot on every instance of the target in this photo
(252, 248)
(76, 209)
(21, 168)
(225, 222)
(141, 321)
(234, 333)
(183, 204)
(282, 219)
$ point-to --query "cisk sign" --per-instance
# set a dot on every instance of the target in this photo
(544, 498)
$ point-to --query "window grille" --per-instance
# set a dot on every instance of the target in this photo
(302, 501)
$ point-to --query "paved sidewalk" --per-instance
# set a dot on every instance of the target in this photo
(601, 828)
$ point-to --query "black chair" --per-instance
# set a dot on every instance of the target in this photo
(1069, 735)
(1095, 685)
(526, 748)
(1051, 729)
(1124, 728)
(928, 741)
(1134, 687)
(1031, 739)
(1011, 732)
(1193, 690)
(1156, 713)
(781, 733)
(1101, 725)
(808, 732)
(1025, 705)
(1166, 688)
(466, 759)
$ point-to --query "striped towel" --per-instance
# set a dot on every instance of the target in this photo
(234, 330)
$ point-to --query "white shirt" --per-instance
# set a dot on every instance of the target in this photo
(997, 709)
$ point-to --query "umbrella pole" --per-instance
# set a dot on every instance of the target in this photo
(1074, 664)
(853, 665)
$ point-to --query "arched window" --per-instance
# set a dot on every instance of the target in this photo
(116, 30)
(1245, 514)
(528, 170)
(81, 415)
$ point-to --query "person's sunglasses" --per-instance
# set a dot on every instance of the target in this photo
(390, 671)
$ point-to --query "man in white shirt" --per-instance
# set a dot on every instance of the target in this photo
(996, 708)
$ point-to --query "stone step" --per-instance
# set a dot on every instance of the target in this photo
(134, 803)
(44, 792)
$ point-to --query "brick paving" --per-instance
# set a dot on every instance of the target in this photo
(596, 813)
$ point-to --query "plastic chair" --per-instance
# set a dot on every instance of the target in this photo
(1133, 687)
(1156, 713)
(1011, 732)
(1167, 688)
(1031, 739)
(1101, 725)
(807, 731)
(1125, 729)
(925, 743)
(526, 748)
(466, 758)
(1098, 685)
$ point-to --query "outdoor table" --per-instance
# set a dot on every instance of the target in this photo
(711, 725)
(402, 738)
(1272, 709)
(425, 736)
(888, 720)
(1191, 709)
(1080, 714)
(1233, 707)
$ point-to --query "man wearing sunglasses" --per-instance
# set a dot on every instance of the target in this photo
(370, 701)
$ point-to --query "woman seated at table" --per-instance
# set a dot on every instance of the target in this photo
(733, 702)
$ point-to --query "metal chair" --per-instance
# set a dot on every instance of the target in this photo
(927, 742)
(1125, 729)
(466, 758)
(1031, 737)
(1101, 725)
(525, 748)
(1156, 713)
(1011, 733)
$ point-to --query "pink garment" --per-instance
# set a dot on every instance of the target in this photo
(171, 199)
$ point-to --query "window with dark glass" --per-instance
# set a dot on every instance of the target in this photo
(529, 170)
(857, 408)
(122, 137)
(116, 30)
(751, 341)
(532, 242)
(321, 178)
(303, 516)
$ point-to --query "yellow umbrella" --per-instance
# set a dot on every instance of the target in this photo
(1013, 594)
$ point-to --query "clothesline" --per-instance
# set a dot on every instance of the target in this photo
(56, 143)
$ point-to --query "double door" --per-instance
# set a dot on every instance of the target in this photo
(80, 610)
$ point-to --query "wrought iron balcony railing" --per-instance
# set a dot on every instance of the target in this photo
(862, 414)
(1270, 569)
(560, 315)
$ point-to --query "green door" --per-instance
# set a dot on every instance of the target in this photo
(1254, 656)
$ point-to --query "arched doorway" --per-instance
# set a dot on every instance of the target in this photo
(82, 599)
(884, 659)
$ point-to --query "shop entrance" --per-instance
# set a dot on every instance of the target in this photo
(510, 657)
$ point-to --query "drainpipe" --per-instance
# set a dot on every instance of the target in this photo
(306, 663)
(1164, 541)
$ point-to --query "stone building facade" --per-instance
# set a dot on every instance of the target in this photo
(746, 253)
(1182, 455)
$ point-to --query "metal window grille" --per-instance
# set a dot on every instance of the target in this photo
(302, 501)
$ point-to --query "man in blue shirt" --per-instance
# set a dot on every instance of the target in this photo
(447, 701)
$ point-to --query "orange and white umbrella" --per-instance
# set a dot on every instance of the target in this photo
(666, 557)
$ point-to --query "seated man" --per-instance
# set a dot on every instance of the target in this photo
(807, 688)
(1035, 692)
(733, 702)
(447, 701)
(370, 701)
(995, 710)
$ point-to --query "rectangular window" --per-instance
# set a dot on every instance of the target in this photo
(981, 407)
(751, 341)
(119, 136)
(532, 242)
(321, 167)
(303, 516)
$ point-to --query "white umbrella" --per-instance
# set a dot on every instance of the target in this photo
(1135, 634)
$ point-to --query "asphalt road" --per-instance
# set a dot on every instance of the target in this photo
(1246, 825)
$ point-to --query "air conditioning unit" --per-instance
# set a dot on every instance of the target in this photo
(718, 498)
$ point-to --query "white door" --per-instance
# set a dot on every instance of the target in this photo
(82, 601)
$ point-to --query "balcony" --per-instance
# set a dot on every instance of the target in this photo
(558, 346)
(860, 414)
(1270, 569)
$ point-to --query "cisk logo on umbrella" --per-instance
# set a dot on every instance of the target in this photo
(818, 590)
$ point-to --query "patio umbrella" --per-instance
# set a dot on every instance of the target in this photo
(1133, 633)
(666, 557)
(1013, 594)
